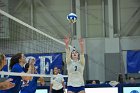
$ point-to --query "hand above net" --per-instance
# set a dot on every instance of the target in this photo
(67, 41)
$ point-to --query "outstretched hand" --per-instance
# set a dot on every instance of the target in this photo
(81, 42)
(67, 41)
(31, 66)
(32, 62)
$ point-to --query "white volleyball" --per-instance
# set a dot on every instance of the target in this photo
(72, 18)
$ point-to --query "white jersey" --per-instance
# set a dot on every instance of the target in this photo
(57, 80)
(75, 73)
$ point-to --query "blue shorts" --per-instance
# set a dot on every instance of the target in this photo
(75, 89)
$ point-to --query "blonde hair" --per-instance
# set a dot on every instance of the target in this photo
(1, 58)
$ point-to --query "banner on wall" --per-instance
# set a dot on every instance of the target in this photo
(133, 61)
(44, 62)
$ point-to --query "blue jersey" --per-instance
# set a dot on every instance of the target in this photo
(31, 87)
(16, 79)
(5, 68)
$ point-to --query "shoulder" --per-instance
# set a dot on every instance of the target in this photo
(5, 68)
(70, 62)
(17, 68)
(60, 75)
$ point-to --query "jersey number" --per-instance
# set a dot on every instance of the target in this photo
(75, 68)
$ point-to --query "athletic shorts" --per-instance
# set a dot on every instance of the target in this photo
(75, 89)
(57, 91)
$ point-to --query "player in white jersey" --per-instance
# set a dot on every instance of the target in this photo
(57, 82)
(75, 66)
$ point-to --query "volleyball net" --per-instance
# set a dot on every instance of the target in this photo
(25, 38)
(17, 36)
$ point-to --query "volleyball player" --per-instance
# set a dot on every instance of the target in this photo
(75, 65)
(57, 82)
(30, 87)
(5, 84)
(16, 65)
(2, 61)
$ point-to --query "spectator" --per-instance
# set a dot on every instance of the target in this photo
(132, 80)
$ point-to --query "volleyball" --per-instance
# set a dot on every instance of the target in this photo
(72, 18)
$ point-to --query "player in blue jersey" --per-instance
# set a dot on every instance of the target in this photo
(5, 84)
(3, 65)
(2, 61)
(30, 87)
(16, 65)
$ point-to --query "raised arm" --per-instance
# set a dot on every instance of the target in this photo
(68, 54)
(31, 70)
(81, 44)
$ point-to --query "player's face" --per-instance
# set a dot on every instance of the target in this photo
(132, 80)
(55, 70)
(74, 55)
(93, 82)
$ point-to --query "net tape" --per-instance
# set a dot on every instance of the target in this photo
(26, 74)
